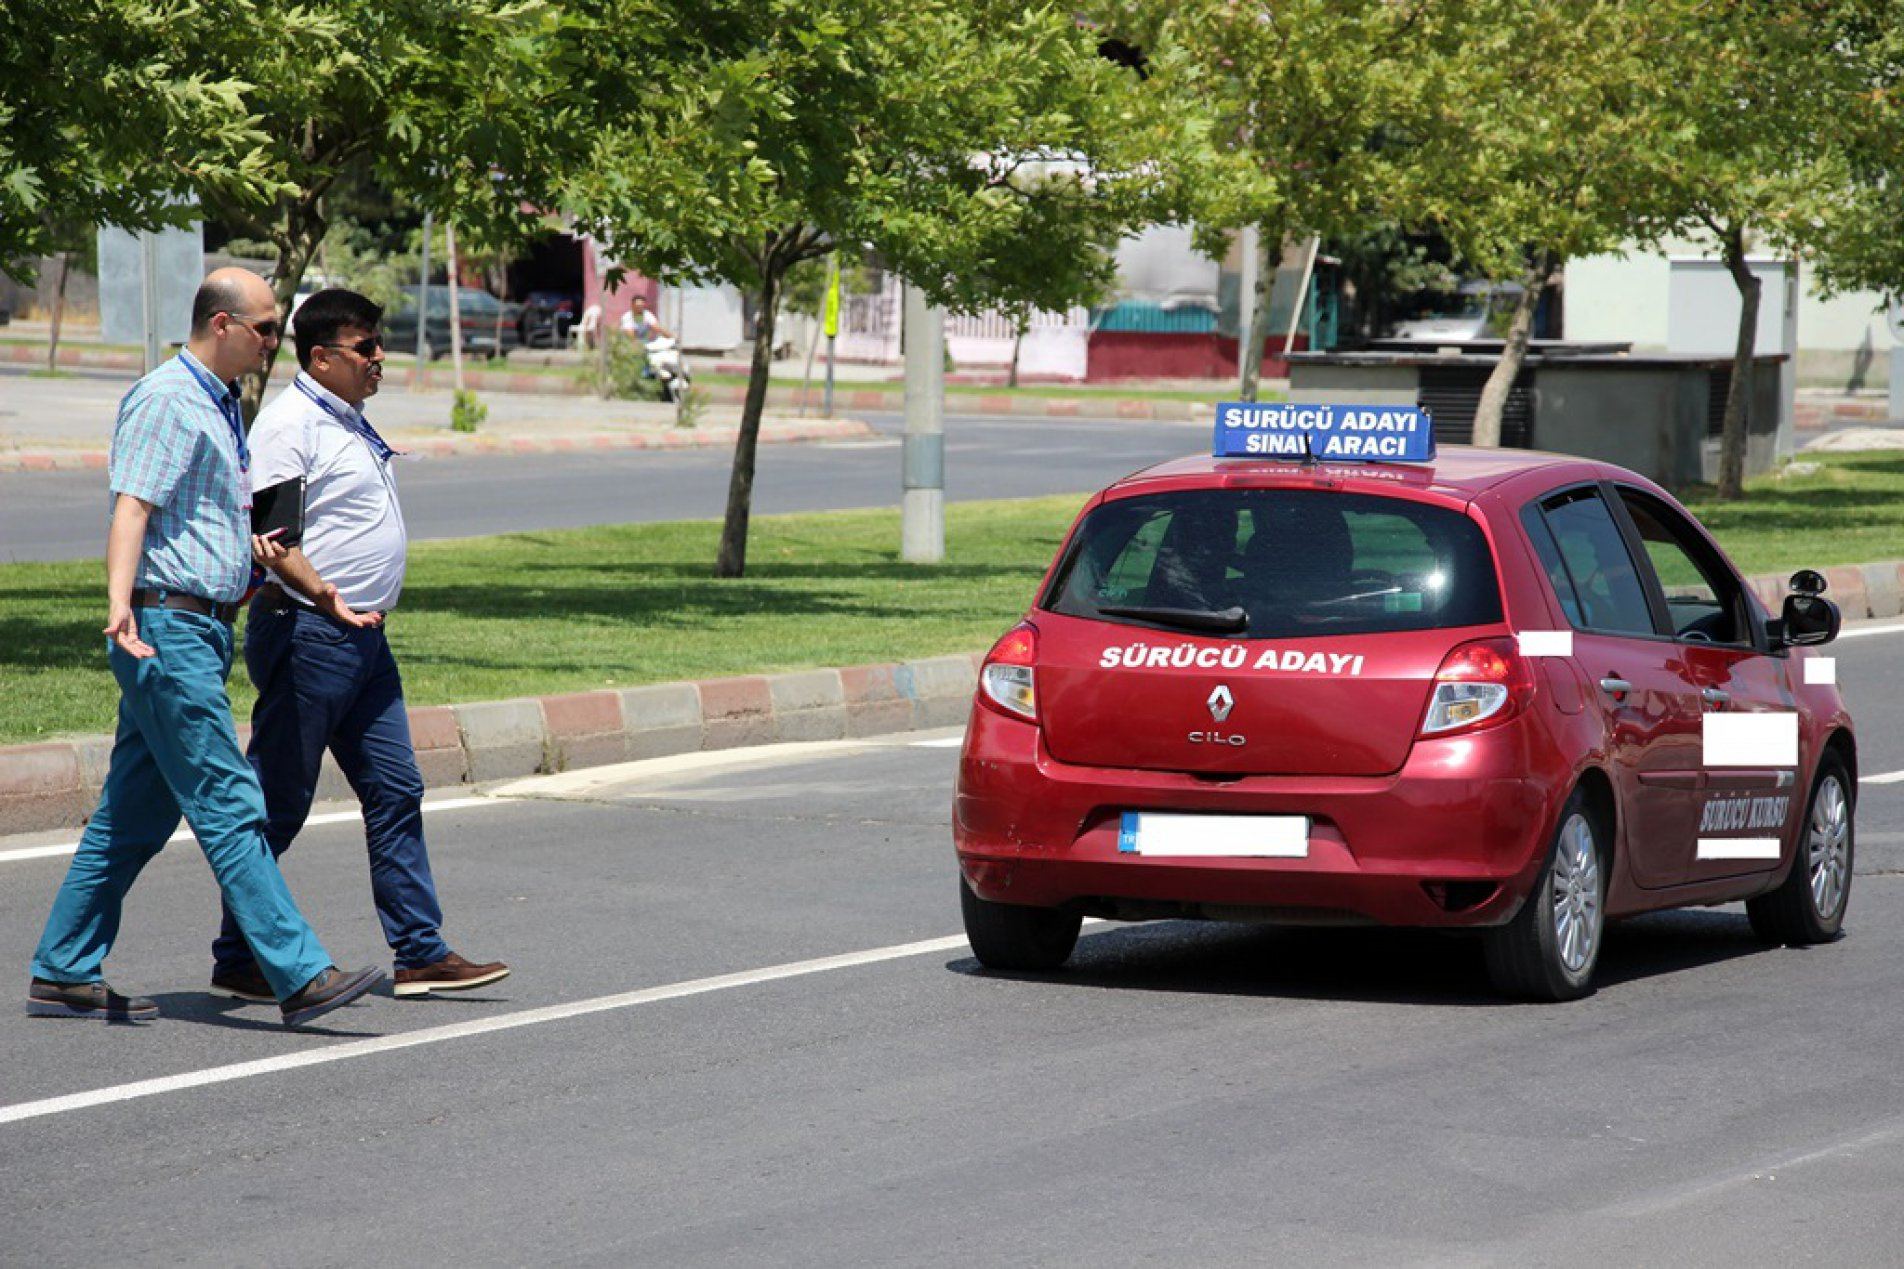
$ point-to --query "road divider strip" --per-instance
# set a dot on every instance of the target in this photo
(56, 785)
(20, 1111)
(53, 786)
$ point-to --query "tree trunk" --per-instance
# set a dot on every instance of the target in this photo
(59, 311)
(1488, 414)
(1018, 344)
(456, 308)
(1269, 248)
(1739, 391)
(307, 231)
(740, 486)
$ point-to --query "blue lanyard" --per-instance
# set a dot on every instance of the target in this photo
(228, 406)
(354, 421)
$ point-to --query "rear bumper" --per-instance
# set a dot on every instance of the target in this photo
(1455, 838)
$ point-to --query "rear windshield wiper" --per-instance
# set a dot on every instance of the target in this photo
(1226, 621)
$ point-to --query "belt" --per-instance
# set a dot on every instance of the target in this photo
(226, 613)
(272, 597)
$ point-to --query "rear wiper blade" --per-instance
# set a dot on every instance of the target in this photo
(1227, 621)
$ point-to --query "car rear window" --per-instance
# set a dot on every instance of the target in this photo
(1296, 561)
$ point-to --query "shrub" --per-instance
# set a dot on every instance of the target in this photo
(467, 412)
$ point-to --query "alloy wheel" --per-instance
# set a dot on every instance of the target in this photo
(1576, 882)
(1829, 843)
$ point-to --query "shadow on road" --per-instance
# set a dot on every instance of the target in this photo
(1410, 967)
(217, 1011)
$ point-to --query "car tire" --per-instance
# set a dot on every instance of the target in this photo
(1011, 936)
(1548, 951)
(1809, 904)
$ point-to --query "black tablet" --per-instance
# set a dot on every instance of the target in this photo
(280, 507)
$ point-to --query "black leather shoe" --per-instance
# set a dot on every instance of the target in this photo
(332, 989)
(46, 999)
(246, 983)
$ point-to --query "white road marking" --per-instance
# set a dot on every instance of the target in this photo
(480, 1026)
(589, 779)
(943, 742)
(1889, 777)
(1863, 631)
(185, 834)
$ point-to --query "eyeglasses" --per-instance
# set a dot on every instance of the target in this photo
(263, 330)
(363, 347)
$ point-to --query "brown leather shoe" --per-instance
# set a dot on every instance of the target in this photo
(332, 989)
(48, 999)
(452, 973)
(245, 984)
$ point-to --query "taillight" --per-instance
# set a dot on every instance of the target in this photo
(1479, 684)
(1007, 679)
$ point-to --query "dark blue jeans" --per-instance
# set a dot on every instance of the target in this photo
(322, 685)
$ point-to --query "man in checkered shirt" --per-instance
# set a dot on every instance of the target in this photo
(178, 561)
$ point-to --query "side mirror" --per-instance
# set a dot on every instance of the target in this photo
(1808, 619)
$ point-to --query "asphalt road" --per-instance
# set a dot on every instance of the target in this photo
(62, 515)
(670, 1078)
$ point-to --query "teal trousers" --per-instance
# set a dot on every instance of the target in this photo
(176, 752)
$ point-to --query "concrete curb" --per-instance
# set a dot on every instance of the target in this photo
(56, 785)
(774, 433)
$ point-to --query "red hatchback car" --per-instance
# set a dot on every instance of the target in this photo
(1509, 691)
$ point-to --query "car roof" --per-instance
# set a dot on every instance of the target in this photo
(1459, 472)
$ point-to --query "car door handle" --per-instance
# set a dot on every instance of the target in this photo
(1613, 685)
(1714, 696)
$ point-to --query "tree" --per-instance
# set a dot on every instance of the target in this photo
(105, 118)
(983, 149)
(1760, 160)
(1553, 150)
(1862, 245)
(472, 109)
(1314, 98)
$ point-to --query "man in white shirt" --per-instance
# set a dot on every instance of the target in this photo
(315, 647)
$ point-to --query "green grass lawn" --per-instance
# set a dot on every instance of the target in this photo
(534, 613)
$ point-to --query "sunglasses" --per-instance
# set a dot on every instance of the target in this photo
(363, 347)
(263, 330)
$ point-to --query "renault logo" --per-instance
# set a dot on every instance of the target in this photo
(1221, 703)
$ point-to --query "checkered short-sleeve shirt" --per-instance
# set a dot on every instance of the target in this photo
(173, 448)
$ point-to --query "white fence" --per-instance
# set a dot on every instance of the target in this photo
(1054, 345)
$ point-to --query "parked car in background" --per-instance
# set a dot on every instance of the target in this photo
(547, 317)
(1474, 310)
(489, 324)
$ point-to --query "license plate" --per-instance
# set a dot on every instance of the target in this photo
(1167, 836)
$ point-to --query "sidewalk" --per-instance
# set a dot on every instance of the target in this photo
(63, 423)
(56, 785)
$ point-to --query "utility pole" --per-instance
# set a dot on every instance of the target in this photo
(922, 508)
(830, 321)
(423, 308)
(149, 296)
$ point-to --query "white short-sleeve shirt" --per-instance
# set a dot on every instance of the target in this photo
(353, 526)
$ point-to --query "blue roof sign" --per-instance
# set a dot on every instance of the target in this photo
(1327, 433)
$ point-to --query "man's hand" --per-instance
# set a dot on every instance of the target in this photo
(265, 551)
(123, 630)
(329, 603)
